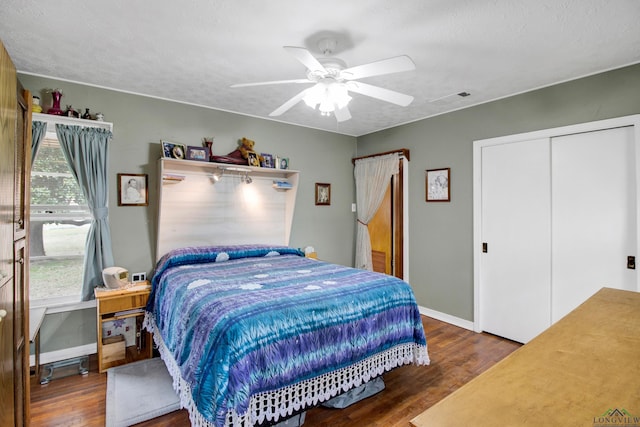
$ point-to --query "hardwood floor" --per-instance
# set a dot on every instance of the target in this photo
(457, 356)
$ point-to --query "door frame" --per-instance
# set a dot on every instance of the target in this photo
(400, 212)
(632, 120)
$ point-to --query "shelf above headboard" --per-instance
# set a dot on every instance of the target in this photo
(196, 210)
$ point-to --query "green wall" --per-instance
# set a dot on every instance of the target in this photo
(139, 125)
(441, 234)
(141, 122)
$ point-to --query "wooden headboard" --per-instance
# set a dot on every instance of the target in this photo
(195, 210)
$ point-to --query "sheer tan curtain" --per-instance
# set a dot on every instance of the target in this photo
(373, 175)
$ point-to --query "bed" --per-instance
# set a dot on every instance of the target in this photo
(253, 334)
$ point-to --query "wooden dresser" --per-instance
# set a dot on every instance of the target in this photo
(578, 372)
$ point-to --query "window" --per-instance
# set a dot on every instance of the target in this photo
(60, 220)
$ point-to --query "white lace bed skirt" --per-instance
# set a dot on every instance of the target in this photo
(284, 402)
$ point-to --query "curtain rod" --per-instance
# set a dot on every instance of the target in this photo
(402, 151)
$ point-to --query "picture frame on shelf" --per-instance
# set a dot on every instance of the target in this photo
(133, 189)
(267, 160)
(323, 194)
(253, 159)
(282, 162)
(200, 154)
(437, 183)
(172, 150)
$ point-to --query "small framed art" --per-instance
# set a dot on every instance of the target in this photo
(282, 162)
(267, 160)
(323, 194)
(198, 153)
(253, 159)
(132, 189)
(438, 185)
(172, 150)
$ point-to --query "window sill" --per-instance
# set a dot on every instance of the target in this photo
(62, 304)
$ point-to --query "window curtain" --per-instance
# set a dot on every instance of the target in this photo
(86, 151)
(38, 131)
(372, 175)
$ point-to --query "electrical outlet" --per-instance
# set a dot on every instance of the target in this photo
(138, 277)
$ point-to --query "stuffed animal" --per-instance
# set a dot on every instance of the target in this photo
(246, 147)
(241, 154)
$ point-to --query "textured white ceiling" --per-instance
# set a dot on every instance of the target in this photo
(192, 51)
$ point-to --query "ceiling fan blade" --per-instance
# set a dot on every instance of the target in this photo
(287, 105)
(380, 93)
(275, 82)
(306, 58)
(378, 68)
(342, 114)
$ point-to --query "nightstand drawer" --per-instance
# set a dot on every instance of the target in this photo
(122, 303)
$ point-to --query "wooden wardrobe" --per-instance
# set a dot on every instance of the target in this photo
(15, 164)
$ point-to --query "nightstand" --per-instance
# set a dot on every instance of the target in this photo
(120, 313)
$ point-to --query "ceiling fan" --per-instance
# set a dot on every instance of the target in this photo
(332, 81)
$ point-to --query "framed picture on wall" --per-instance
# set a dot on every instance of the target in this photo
(323, 194)
(132, 189)
(438, 185)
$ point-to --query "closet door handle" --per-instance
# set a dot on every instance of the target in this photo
(3, 314)
(485, 247)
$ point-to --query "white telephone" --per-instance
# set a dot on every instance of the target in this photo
(115, 277)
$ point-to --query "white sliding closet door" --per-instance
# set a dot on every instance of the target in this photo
(558, 209)
(593, 215)
(516, 228)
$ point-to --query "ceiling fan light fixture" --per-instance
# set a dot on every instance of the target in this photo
(314, 95)
(333, 81)
(339, 94)
(327, 97)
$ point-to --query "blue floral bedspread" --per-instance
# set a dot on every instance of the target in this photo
(243, 320)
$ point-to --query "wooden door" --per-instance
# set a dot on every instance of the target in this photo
(7, 140)
(516, 232)
(380, 231)
(20, 338)
(21, 279)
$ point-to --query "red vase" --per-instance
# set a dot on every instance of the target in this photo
(57, 96)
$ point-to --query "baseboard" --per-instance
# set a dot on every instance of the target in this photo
(64, 354)
(444, 317)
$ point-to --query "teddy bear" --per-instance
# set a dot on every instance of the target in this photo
(241, 154)
(246, 147)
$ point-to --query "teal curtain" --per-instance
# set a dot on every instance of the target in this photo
(38, 130)
(87, 152)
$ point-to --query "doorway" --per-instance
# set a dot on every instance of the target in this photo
(389, 239)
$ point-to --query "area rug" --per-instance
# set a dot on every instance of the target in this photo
(138, 392)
